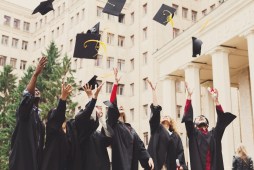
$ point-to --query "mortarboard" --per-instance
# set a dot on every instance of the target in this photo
(164, 15)
(95, 29)
(196, 46)
(114, 7)
(44, 7)
(92, 82)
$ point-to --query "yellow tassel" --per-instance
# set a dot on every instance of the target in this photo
(169, 17)
(97, 46)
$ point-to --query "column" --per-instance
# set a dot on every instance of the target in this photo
(169, 97)
(193, 80)
(221, 81)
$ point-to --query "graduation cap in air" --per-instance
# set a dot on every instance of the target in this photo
(44, 7)
(87, 45)
(196, 46)
(114, 7)
(164, 15)
(92, 82)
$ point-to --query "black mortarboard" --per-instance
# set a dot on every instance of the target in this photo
(196, 46)
(44, 7)
(108, 103)
(163, 14)
(93, 82)
(95, 29)
(114, 7)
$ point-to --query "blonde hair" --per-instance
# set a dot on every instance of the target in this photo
(241, 151)
(173, 125)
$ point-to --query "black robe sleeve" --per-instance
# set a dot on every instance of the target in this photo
(155, 118)
(188, 118)
(234, 163)
(180, 152)
(25, 106)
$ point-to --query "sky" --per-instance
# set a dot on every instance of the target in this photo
(26, 3)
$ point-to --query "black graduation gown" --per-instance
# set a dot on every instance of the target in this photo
(161, 147)
(57, 146)
(28, 138)
(199, 142)
(127, 147)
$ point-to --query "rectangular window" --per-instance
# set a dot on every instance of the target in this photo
(120, 64)
(2, 60)
(145, 85)
(212, 7)
(98, 61)
(145, 110)
(35, 45)
(145, 58)
(132, 116)
(185, 13)
(109, 87)
(24, 45)
(36, 26)
(144, 9)
(83, 13)
(121, 41)
(132, 89)
(146, 138)
(121, 18)
(71, 44)
(110, 62)
(132, 64)
(145, 33)
(5, 40)
(40, 23)
(120, 89)
(204, 12)
(26, 26)
(72, 20)
(16, 23)
(176, 7)
(62, 28)
(77, 17)
(52, 34)
(132, 17)
(58, 10)
(194, 16)
(111, 17)
(132, 40)
(99, 11)
(22, 65)
(81, 63)
(7, 20)
(14, 43)
(175, 32)
(13, 62)
(110, 38)
(178, 111)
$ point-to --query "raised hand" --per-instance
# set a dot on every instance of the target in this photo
(66, 90)
(117, 79)
(214, 94)
(40, 66)
(97, 91)
(151, 85)
(88, 90)
(150, 163)
(189, 92)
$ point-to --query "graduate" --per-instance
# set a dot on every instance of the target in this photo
(161, 146)
(94, 148)
(28, 137)
(127, 147)
(57, 146)
(205, 146)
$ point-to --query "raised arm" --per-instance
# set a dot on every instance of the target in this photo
(188, 113)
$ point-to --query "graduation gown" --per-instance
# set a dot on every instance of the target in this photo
(28, 138)
(161, 147)
(199, 143)
(57, 146)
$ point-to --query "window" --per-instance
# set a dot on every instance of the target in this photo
(72, 20)
(45, 20)
(83, 13)
(58, 10)
(77, 17)
(132, 17)
(14, 43)
(185, 13)
(132, 89)
(179, 87)
(80, 63)
(110, 38)
(120, 89)
(2, 60)
(24, 45)
(16, 23)
(204, 12)
(40, 23)
(34, 44)
(145, 110)
(109, 87)
(132, 40)
(57, 31)
(175, 32)
(145, 33)
(145, 9)
(71, 44)
(194, 16)
(146, 138)
(120, 64)
(110, 62)
(121, 40)
(121, 18)
(132, 64)
(178, 111)
(26, 26)
(62, 28)
(176, 7)
(52, 34)
(36, 25)
(63, 6)
(111, 17)
(76, 66)
(145, 59)
(132, 114)
(145, 83)
(98, 61)
(99, 11)
(212, 7)
(7, 20)
(22, 65)
(5, 40)
(13, 62)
